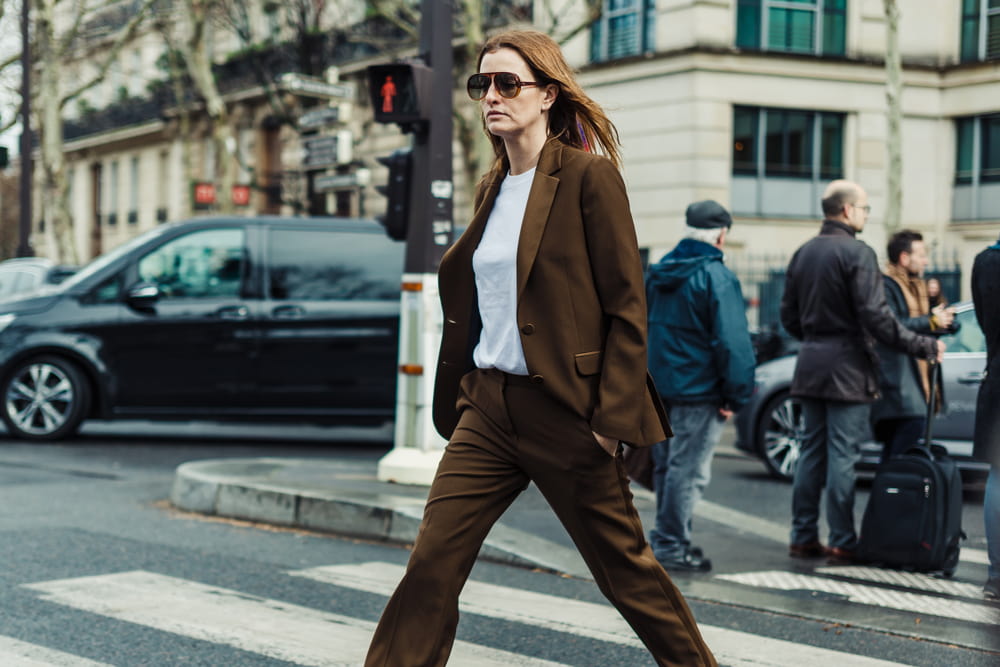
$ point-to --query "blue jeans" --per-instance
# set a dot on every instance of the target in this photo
(831, 447)
(682, 467)
(991, 516)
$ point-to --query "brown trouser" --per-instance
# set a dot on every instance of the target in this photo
(509, 433)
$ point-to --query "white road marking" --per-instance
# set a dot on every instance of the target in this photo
(914, 580)
(247, 622)
(588, 619)
(16, 653)
(871, 595)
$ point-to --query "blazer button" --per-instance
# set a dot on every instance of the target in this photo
(537, 379)
(528, 329)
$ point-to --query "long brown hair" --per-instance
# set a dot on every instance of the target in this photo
(574, 118)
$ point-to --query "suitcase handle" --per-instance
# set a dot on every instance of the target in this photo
(935, 368)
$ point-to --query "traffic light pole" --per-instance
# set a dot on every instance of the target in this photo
(417, 446)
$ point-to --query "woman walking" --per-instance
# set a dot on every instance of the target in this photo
(542, 371)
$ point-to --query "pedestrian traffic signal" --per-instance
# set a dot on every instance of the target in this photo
(399, 92)
(397, 192)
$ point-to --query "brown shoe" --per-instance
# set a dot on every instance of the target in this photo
(840, 556)
(807, 550)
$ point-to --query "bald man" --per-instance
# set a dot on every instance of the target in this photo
(834, 302)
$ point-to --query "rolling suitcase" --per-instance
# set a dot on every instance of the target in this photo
(913, 520)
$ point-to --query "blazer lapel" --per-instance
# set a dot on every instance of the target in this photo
(536, 213)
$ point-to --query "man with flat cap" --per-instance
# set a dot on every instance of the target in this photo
(702, 360)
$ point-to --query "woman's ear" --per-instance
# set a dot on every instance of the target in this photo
(550, 94)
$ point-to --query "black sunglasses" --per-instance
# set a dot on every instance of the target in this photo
(508, 84)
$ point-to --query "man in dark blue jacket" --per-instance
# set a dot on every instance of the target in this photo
(702, 361)
(898, 415)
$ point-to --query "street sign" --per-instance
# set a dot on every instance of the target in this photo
(313, 87)
(241, 195)
(327, 150)
(327, 182)
(315, 118)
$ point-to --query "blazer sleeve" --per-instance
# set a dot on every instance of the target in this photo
(617, 273)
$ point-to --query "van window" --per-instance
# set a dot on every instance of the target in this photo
(201, 265)
(316, 265)
(969, 338)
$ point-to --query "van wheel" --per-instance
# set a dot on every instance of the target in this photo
(45, 398)
(779, 435)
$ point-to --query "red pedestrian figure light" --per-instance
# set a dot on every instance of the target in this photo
(388, 92)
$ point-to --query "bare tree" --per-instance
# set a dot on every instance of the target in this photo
(894, 116)
(10, 64)
(59, 32)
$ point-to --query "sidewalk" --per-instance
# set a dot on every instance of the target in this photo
(348, 499)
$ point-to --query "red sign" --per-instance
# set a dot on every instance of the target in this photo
(241, 195)
(204, 193)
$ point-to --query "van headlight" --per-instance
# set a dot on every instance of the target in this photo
(5, 320)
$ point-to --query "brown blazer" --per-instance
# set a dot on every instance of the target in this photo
(581, 302)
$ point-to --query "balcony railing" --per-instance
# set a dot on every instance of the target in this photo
(246, 69)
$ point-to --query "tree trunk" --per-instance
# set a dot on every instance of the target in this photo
(54, 192)
(199, 62)
(893, 94)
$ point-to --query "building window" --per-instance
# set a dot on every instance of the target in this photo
(977, 168)
(793, 26)
(782, 160)
(113, 194)
(133, 195)
(162, 186)
(624, 29)
(980, 30)
(787, 143)
(978, 154)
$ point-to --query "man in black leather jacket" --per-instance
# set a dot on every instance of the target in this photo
(834, 302)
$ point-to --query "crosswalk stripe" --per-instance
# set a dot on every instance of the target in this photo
(871, 595)
(588, 619)
(16, 653)
(923, 582)
(247, 622)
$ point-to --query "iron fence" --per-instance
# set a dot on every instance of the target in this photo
(762, 278)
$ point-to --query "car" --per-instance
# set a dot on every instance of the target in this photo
(25, 275)
(220, 319)
(771, 427)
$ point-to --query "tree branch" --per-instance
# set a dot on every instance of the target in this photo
(125, 35)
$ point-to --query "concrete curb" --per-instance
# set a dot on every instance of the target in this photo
(305, 493)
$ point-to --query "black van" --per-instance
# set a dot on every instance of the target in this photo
(216, 318)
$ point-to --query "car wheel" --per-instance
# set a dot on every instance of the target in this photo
(45, 398)
(779, 435)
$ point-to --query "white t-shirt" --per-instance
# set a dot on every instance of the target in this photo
(495, 266)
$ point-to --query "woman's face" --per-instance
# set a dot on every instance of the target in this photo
(525, 113)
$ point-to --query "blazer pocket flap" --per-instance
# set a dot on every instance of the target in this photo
(588, 363)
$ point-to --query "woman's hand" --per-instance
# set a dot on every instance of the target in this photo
(610, 445)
